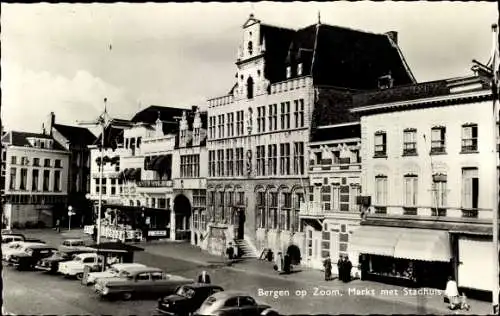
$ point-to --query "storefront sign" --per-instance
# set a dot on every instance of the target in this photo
(157, 233)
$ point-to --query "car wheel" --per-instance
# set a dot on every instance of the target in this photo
(79, 276)
(127, 296)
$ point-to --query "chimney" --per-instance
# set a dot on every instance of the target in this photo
(52, 119)
(393, 35)
(194, 108)
(44, 132)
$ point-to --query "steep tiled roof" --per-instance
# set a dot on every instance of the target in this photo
(76, 135)
(341, 57)
(150, 114)
(332, 107)
(21, 139)
(112, 137)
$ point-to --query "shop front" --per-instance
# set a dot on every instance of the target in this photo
(405, 256)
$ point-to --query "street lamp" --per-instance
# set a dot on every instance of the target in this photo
(70, 213)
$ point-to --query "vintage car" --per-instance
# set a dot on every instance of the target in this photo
(116, 270)
(231, 303)
(73, 244)
(14, 247)
(35, 240)
(7, 238)
(30, 256)
(76, 267)
(51, 264)
(147, 281)
(187, 299)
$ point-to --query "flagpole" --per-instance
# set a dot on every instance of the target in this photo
(495, 257)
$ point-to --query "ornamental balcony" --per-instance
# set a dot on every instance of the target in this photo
(155, 183)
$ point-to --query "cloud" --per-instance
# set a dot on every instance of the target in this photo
(29, 96)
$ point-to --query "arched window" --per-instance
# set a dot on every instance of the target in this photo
(250, 48)
(250, 88)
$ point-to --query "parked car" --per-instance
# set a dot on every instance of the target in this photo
(14, 247)
(34, 240)
(116, 270)
(51, 264)
(73, 244)
(30, 256)
(7, 238)
(76, 267)
(187, 299)
(231, 303)
(146, 281)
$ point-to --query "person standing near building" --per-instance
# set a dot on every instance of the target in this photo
(58, 225)
(340, 268)
(204, 277)
(451, 293)
(327, 264)
(347, 269)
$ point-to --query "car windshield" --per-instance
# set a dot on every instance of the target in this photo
(77, 258)
(113, 270)
(185, 291)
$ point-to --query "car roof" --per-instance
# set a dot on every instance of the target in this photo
(202, 285)
(12, 235)
(41, 246)
(146, 269)
(86, 254)
(228, 294)
(74, 240)
(128, 265)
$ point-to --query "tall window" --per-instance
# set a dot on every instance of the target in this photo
(250, 87)
(211, 127)
(410, 142)
(272, 160)
(36, 162)
(239, 162)
(230, 162)
(411, 194)
(299, 200)
(34, 179)
(469, 137)
(470, 188)
(113, 186)
(298, 114)
(284, 159)
(325, 244)
(261, 207)
(221, 206)
(190, 166)
(298, 158)
(261, 160)
(282, 116)
(24, 161)
(199, 198)
(343, 240)
(13, 160)
(211, 163)
(344, 198)
(336, 198)
(273, 117)
(326, 198)
(46, 179)
(221, 126)
(196, 136)
(380, 144)
(239, 123)
(439, 190)
(220, 162)
(381, 194)
(273, 210)
(13, 172)
(24, 178)
(299, 69)
(230, 124)
(438, 140)
(261, 119)
(286, 210)
(104, 187)
(46, 162)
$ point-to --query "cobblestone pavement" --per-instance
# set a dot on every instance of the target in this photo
(303, 292)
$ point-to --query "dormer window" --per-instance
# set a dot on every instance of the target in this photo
(385, 82)
(288, 72)
(299, 69)
(250, 48)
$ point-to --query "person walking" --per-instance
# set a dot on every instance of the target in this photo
(279, 262)
(451, 293)
(340, 268)
(347, 269)
(204, 277)
(230, 252)
(287, 263)
(94, 234)
(327, 264)
(58, 225)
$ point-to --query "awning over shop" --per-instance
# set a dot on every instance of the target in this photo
(375, 240)
(134, 174)
(423, 244)
(161, 164)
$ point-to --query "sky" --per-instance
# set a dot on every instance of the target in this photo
(57, 57)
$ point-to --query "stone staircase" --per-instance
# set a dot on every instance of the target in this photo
(245, 249)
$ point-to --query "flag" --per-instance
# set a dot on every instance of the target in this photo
(495, 59)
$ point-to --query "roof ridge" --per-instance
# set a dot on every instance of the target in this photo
(279, 27)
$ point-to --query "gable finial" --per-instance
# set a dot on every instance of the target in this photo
(319, 17)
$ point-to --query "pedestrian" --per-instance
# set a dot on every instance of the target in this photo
(451, 293)
(230, 252)
(279, 262)
(204, 277)
(347, 269)
(287, 263)
(58, 225)
(340, 268)
(327, 264)
(94, 233)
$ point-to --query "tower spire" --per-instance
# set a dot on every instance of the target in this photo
(319, 17)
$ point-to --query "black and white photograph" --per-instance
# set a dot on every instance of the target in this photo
(250, 158)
